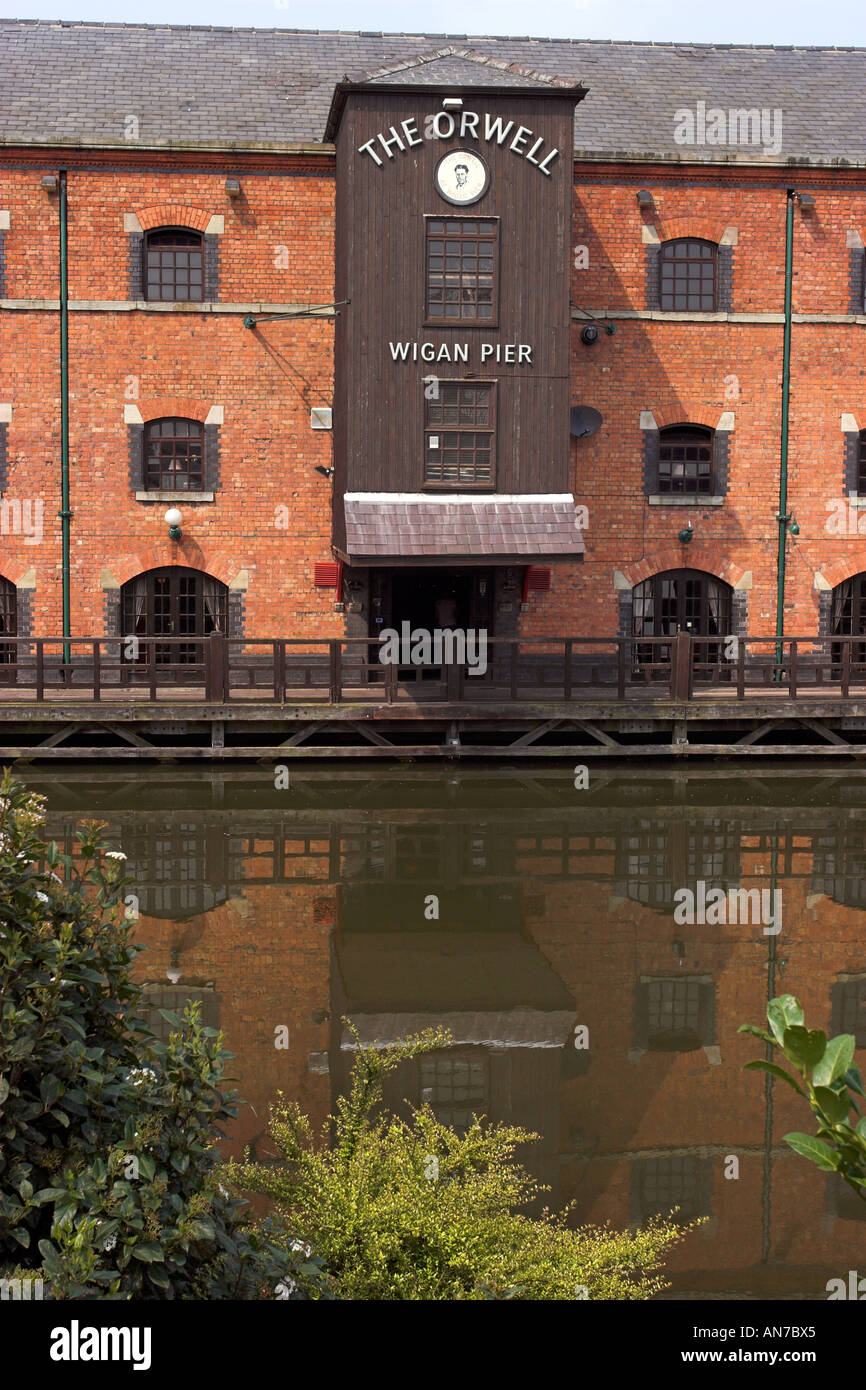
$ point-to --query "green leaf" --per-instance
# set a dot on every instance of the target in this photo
(813, 1149)
(784, 1012)
(854, 1081)
(805, 1046)
(756, 1032)
(779, 1072)
(834, 1104)
(836, 1060)
(159, 1277)
(148, 1252)
(146, 1167)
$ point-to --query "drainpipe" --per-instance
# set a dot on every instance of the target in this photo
(65, 514)
(782, 516)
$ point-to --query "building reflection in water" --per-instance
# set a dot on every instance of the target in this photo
(517, 912)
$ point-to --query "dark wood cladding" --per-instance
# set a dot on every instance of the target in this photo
(380, 255)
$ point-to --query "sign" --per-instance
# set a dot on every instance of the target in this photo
(466, 125)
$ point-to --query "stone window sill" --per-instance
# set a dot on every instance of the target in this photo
(176, 497)
(693, 500)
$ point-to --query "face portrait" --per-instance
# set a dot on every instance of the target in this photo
(461, 177)
(461, 174)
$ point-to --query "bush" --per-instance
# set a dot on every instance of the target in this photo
(108, 1159)
(829, 1081)
(413, 1210)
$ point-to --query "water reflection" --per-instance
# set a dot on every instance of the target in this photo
(525, 916)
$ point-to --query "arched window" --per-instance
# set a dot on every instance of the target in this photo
(687, 274)
(173, 455)
(686, 460)
(682, 601)
(173, 602)
(8, 621)
(174, 264)
(861, 465)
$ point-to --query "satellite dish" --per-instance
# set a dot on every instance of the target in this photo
(585, 420)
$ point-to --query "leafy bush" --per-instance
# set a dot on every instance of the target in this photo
(108, 1160)
(829, 1081)
(413, 1210)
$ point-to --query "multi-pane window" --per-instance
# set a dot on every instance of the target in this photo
(8, 621)
(462, 256)
(173, 456)
(687, 274)
(686, 460)
(861, 465)
(456, 1088)
(668, 1182)
(458, 436)
(174, 265)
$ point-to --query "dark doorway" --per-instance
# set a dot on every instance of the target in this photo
(682, 601)
(8, 628)
(172, 602)
(430, 598)
(848, 619)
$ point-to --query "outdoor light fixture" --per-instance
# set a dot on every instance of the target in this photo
(173, 519)
(645, 198)
(233, 188)
(174, 971)
(807, 202)
(452, 101)
(325, 472)
(589, 334)
(791, 523)
(49, 183)
(688, 531)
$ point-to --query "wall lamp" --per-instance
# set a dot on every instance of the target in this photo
(645, 199)
(49, 183)
(325, 472)
(173, 519)
(807, 203)
(589, 333)
(233, 188)
(686, 534)
(791, 523)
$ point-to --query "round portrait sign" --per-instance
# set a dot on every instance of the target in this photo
(461, 177)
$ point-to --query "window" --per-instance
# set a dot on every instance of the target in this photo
(861, 465)
(456, 1088)
(458, 443)
(462, 257)
(176, 603)
(8, 621)
(686, 460)
(675, 1180)
(174, 265)
(173, 456)
(687, 275)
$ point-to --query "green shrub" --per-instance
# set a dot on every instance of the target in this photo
(108, 1160)
(829, 1081)
(412, 1210)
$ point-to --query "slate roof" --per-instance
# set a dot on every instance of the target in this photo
(403, 525)
(75, 83)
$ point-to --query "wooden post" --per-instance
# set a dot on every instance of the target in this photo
(792, 670)
(40, 669)
(620, 669)
(741, 669)
(215, 668)
(846, 667)
(567, 682)
(279, 670)
(97, 695)
(335, 679)
(681, 667)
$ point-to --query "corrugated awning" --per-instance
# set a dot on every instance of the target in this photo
(401, 526)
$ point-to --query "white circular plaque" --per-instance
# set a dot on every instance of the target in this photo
(461, 177)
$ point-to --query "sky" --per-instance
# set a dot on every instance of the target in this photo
(800, 22)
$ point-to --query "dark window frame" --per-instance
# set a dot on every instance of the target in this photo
(8, 621)
(668, 256)
(439, 428)
(194, 244)
(432, 220)
(686, 436)
(167, 480)
(861, 464)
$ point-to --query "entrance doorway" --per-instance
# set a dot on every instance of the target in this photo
(681, 601)
(430, 598)
(173, 602)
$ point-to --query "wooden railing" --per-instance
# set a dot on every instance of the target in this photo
(331, 670)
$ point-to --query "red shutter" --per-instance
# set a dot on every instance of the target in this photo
(327, 575)
(535, 578)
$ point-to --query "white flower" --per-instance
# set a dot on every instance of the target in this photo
(43, 897)
(140, 1074)
(114, 854)
(285, 1290)
(110, 1243)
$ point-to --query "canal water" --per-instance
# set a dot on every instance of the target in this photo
(568, 937)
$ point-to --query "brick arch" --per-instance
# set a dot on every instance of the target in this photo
(687, 413)
(705, 228)
(185, 554)
(172, 215)
(159, 407)
(696, 556)
(845, 568)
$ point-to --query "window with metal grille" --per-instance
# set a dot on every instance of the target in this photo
(686, 460)
(456, 1087)
(848, 998)
(8, 621)
(173, 456)
(459, 437)
(687, 274)
(462, 261)
(156, 997)
(674, 1008)
(675, 1180)
(174, 265)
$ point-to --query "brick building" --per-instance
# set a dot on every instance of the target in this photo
(262, 273)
